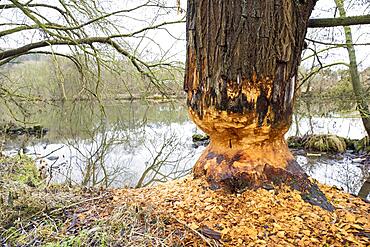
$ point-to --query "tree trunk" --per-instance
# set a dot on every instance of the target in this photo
(242, 61)
(355, 77)
(365, 189)
(63, 95)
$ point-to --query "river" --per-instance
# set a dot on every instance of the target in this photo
(138, 143)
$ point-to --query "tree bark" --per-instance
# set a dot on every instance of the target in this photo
(339, 21)
(365, 189)
(242, 61)
(358, 89)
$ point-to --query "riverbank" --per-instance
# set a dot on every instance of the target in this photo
(183, 212)
(312, 142)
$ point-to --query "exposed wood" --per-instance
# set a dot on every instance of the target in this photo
(339, 21)
(242, 60)
(240, 78)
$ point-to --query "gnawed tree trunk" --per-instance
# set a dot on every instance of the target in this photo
(242, 60)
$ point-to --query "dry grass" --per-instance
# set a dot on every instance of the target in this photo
(326, 143)
(32, 214)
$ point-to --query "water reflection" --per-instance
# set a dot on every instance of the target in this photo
(316, 118)
(338, 170)
(140, 143)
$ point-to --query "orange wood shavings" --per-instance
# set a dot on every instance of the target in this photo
(276, 217)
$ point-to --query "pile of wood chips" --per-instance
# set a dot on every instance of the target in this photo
(277, 217)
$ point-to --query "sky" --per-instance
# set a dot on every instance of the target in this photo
(170, 44)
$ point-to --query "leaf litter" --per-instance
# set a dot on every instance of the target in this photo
(186, 212)
(275, 217)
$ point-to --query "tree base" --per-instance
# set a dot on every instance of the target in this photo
(254, 166)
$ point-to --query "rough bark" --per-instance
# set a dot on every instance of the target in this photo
(244, 55)
(242, 60)
(355, 76)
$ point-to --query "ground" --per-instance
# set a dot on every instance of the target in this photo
(253, 218)
(184, 212)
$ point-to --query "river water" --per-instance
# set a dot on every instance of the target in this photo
(141, 143)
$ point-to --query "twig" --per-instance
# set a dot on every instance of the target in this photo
(195, 231)
(78, 203)
(54, 211)
(46, 155)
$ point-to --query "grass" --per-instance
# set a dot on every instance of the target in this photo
(21, 169)
(326, 143)
(34, 214)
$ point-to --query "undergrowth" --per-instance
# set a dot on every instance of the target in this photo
(34, 214)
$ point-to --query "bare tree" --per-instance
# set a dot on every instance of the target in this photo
(91, 34)
(167, 162)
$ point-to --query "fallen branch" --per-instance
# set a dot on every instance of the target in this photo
(204, 238)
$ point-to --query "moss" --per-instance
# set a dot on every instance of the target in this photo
(326, 143)
(362, 145)
(351, 143)
(20, 169)
(22, 194)
(295, 142)
(200, 137)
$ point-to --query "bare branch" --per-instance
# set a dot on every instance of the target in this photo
(339, 21)
(335, 44)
